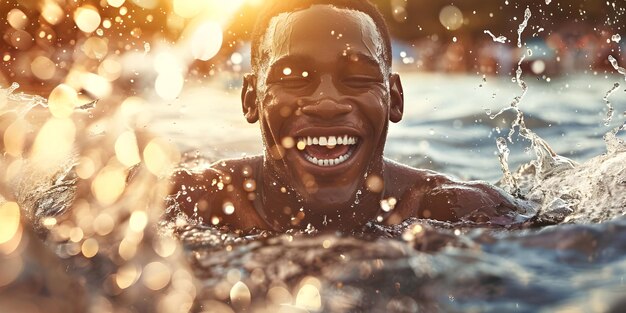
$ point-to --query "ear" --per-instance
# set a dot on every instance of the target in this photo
(396, 103)
(248, 99)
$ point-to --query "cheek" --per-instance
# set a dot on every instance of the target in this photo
(376, 108)
(279, 106)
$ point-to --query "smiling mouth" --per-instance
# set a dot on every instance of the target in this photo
(327, 151)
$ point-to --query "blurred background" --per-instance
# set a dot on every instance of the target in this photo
(183, 61)
(90, 45)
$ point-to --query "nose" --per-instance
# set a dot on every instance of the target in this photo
(327, 109)
(325, 102)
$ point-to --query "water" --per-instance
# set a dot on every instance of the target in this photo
(434, 266)
(80, 220)
(419, 265)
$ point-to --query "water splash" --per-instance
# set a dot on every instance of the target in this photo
(13, 87)
(500, 39)
(146, 48)
(25, 102)
(522, 26)
(616, 38)
(547, 161)
(616, 66)
(613, 143)
(509, 183)
(519, 120)
(610, 111)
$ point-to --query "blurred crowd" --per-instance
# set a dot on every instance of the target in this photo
(96, 46)
(554, 53)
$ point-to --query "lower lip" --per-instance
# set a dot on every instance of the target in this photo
(323, 168)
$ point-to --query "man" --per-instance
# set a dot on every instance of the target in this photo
(323, 93)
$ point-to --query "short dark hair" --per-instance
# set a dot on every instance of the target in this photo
(274, 8)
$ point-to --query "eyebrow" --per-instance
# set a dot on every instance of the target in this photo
(366, 58)
(362, 58)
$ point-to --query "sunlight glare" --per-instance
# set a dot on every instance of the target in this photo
(169, 85)
(206, 41)
(9, 221)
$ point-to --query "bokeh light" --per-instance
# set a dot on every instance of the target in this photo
(159, 156)
(62, 101)
(14, 137)
(87, 18)
(156, 275)
(126, 149)
(206, 41)
(9, 221)
(17, 19)
(109, 184)
(43, 68)
(451, 17)
(52, 12)
(116, 3)
(54, 142)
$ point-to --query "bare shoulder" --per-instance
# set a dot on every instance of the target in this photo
(411, 183)
(221, 171)
(429, 194)
(204, 191)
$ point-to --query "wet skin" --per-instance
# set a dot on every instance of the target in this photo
(325, 76)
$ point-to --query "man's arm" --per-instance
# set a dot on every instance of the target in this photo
(429, 194)
(192, 193)
(216, 194)
(473, 201)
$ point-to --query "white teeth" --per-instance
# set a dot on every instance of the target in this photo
(332, 141)
(328, 162)
(329, 141)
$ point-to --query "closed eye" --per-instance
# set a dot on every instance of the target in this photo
(361, 81)
(293, 82)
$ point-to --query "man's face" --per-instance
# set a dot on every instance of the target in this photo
(323, 101)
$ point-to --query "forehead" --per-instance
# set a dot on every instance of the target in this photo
(307, 30)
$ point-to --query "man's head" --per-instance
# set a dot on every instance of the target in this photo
(274, 8)
(324, 95)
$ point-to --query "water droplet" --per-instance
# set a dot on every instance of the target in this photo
(228, 208)
(616, 38)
